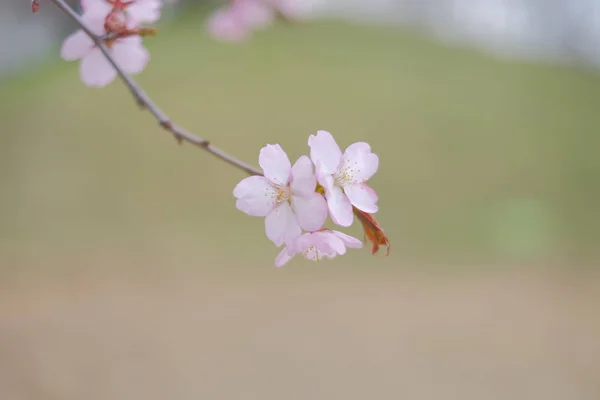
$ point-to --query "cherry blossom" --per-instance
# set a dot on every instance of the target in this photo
(285, 195)
(317, 245)
(236, 21)
(134, 12)
(343, 176)
(95, 70)
(254, 14)
(224, 25)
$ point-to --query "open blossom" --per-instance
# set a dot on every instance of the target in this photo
(134, 12)
(343, 176)
(285, 195)
(224, 25)
(236, 21)
(317, 245)
(128, 52)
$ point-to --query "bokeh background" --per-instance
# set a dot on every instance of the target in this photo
(126, 271)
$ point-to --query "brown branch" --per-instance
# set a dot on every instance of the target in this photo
(146, 102)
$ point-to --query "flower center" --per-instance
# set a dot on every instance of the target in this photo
(346, 174)
(312, 254)
(284, 193)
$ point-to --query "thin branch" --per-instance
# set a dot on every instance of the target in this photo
(146, 102)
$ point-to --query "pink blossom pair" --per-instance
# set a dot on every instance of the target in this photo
(236, 21)
(125, 46)
(292, 202)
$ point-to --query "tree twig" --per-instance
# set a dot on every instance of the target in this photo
(146, 102)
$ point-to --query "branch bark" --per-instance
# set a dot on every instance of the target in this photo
(144, 101)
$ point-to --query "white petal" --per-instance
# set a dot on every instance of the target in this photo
(331, 244)
(311, 211)
(130, 54)
(223, 25)
(303, 180)
(144, 11)
(349, 241)
(362, 197)
(253, 13)
(281, 225)
(325, 150)
(255, 196)
(324, 179)
(283, 257)
(340, 208)
(76, 46)
(275, 164)
(85, 4)
(359, 163)
(95, 70)
(98, 8)
(95, 16)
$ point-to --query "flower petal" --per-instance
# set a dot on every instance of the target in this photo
(328, 243)
(359, 162)
(362, 197)
(339, 205)
(283, 257)
(256, 196)
(324, 179)
(303, 180)
(95, 17)
(349, 241)
(223, 25)
(275, 164)
(95, 70)
(147, 11)
(130, 54)
(252, 13)
(281, 225)
(76, 46)
(324, 149)
(311, 211)
(98, 8)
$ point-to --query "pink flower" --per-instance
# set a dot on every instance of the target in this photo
(316, 245)
(236, 21)
(224, 25)
(285, 195)
(343, 176)
(95, 70)
(254, 14)
(135, 12)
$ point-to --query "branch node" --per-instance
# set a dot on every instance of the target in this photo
(140, 102)
(166, 124)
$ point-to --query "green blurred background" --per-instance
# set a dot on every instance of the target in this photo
(126, 271)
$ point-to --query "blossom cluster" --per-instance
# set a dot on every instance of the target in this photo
(119, 24)
(295, 200)
(237, 20)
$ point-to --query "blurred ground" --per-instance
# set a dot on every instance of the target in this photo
(173, 334)
(126, 272)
